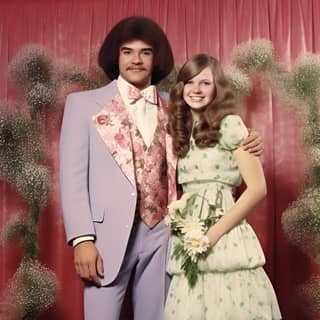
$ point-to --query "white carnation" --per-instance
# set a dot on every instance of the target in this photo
(195, 242)
(191, 224)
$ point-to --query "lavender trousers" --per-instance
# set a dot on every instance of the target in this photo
(145, 260)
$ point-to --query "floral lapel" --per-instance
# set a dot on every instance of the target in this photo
(112, 125)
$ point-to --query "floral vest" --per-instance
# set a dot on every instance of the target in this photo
(147, 168)
(151, 173)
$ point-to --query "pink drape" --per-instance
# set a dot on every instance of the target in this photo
(73, 29)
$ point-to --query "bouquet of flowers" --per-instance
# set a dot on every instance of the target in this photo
(191, 230)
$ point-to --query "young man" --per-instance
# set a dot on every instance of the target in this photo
(118, 174)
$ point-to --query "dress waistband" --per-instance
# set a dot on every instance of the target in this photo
(196, 186)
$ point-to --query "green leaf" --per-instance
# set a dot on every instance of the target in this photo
(177, 251)
(191, 271)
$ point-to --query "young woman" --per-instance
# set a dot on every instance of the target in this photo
(215, 259)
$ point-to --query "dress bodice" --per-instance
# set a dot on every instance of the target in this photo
(216, 163)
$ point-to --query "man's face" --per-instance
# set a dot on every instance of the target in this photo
(136, 63)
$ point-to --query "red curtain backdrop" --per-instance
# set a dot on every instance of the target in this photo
(73, 29)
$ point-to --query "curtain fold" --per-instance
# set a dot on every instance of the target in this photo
(74, 29)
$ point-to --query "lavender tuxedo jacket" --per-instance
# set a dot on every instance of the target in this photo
(97, 197)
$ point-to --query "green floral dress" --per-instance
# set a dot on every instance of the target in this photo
(232, 284)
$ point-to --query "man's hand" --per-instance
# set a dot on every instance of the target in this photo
(253, 143)
(88, 262)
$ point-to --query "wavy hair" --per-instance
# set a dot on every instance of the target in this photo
(180, 123)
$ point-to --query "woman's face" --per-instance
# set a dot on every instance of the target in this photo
(198, 92)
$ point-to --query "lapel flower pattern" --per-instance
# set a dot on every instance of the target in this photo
(112, 125)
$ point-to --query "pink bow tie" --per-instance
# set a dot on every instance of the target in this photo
(149, 94)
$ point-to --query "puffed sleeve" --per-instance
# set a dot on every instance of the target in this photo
(232, 132)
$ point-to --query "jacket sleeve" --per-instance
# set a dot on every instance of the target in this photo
(74, 167)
